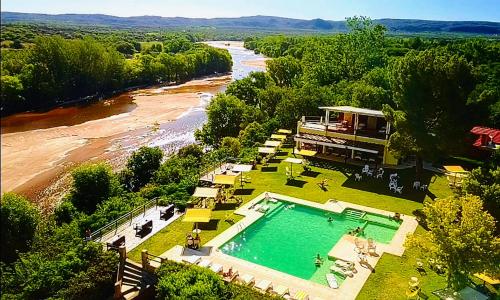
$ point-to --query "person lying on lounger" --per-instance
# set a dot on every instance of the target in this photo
(318, 260)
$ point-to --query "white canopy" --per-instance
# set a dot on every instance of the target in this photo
(267, 150)
(242, 168)
(203, 192)
(293, 160)
(269, 143)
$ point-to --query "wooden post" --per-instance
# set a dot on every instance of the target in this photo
(144, 259)
(118, 290)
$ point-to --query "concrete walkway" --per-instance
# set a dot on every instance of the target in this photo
(127, 229)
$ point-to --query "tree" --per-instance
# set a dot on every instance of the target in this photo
(11, 94)
(191, 150)
(430, 91)
(92, 184)
(19, 220)
(143, 163)
(484, 182)
(225, 114)
(252, 134)
(284, 70)
(231, 146)
(460, 237)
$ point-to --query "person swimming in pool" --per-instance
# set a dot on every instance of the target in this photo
(330, 219)
(318, 260)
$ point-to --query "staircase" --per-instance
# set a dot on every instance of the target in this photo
(135, 281)
(354, 214)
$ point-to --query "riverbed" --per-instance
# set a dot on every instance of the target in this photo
(38, 149)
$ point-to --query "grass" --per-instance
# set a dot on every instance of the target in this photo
(390, 280)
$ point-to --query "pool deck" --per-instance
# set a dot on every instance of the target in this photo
(344, 249)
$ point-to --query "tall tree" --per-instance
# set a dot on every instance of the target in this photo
(19, 220)
(430, 91)
(143, 163)
(460, 237)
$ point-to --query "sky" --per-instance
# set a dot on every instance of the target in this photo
(453, 10)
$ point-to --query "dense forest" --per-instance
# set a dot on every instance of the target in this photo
(51, 70)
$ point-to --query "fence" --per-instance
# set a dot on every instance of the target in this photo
(98, 234)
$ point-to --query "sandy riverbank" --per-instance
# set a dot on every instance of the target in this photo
(259, 63)
(29, 154)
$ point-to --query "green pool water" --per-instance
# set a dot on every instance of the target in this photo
(289, 236)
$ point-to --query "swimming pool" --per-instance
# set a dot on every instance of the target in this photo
(289, 236)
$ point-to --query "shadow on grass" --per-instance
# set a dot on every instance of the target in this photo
(281, 153)
(226, 206)
(381, 186)
(310, 173)
(246, 192)
(296, 183)
(212, 225)
(341, 167)
(275, 160)
(269, 169)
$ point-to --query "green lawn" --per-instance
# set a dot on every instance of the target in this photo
(392, 273)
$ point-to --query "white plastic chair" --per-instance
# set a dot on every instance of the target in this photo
(399, 189)
(358, 177)
(416, 185)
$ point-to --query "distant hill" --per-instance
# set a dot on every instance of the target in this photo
(254, 22)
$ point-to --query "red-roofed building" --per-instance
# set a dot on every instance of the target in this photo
(487, 137)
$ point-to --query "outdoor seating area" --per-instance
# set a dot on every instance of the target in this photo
(232, 275)
(116, 242)
(141, 229)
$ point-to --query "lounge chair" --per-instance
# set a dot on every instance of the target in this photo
(247, 279)
(257, 207)
(230, 275)
(264, 285)
(217, 268)
(372, 248)
(204, 263)
(332, 281)
(281, 290)
(191, 259)
(301, 295)
(346, 265)
(341, 271)
(263, 208)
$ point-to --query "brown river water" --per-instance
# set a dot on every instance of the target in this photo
(38, 149)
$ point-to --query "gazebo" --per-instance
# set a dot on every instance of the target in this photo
(455, 171)
(274, 144)
(280, 137)
(284, 131)
(197, 215)
(242, 168)
(292, 161)
(204, 192)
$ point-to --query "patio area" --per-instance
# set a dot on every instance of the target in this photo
(391, 269)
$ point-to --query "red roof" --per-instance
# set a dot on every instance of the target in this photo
(492, 133)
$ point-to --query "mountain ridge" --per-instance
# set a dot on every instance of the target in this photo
(252, 22)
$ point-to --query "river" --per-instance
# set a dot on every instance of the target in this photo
(38, 149)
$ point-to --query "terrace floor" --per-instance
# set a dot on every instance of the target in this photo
(390, 280)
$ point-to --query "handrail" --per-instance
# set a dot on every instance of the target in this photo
(127, 217)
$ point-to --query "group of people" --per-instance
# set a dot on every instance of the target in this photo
(356, 231)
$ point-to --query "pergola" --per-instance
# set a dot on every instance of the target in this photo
(280, 137)
(292, 161)
(456, 171)
(270, 143)
(204, 192)
(197, 215)
(225, 179)
(285, 131)
(242, 168)
(267, 150)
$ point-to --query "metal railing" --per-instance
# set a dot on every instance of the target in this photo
(98, 234)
